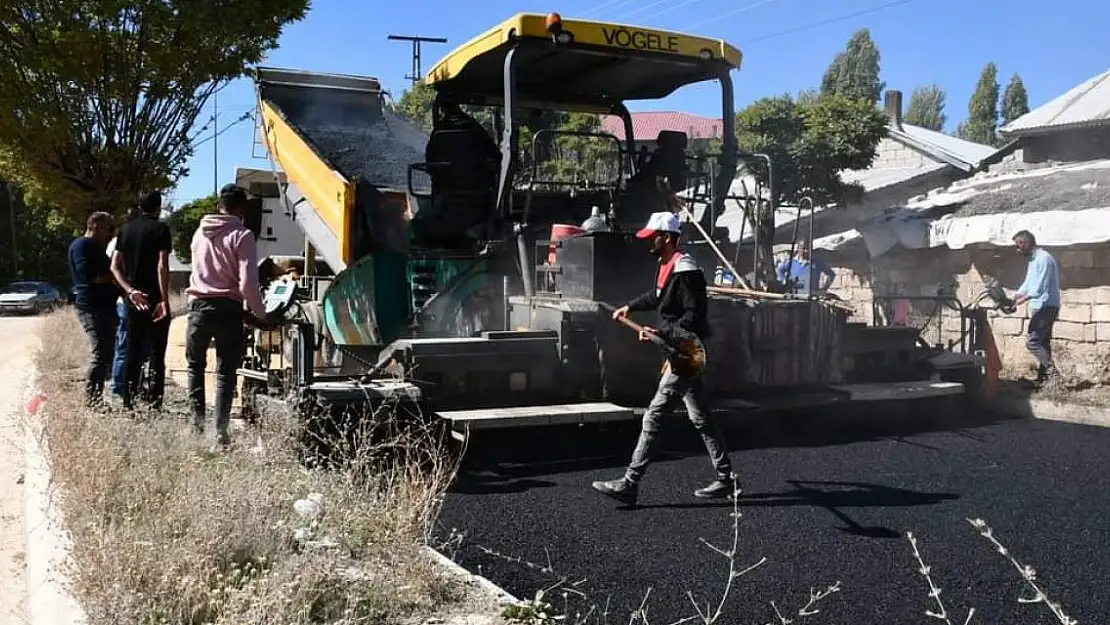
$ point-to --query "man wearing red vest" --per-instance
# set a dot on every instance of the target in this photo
(680, 299)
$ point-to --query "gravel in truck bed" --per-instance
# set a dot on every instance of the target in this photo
(378, 152)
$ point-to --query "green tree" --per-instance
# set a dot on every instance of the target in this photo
(415, 104)
(37, 247)
(584, 159)
(99, 99)
(562, 158)
(981, 125)
(1015, 101)
(926, 108)
(808, 96)
(811, 143)
(184, 222)
(854, 73)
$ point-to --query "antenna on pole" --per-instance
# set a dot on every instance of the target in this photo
(416, 41)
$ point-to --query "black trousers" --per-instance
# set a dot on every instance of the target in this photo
(216, 320)
(142, 329)
(100, 326)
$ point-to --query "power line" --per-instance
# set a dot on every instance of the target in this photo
(718, 18)
(670, 8)
(242, 118)
(611, 4)
(641, 8)
(805, 27)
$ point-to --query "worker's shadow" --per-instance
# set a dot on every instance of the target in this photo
(834, 498)
(519, 475)
(492, 482)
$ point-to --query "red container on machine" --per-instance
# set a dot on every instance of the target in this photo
(561, 231)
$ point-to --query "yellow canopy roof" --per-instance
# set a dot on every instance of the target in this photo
(603, 63)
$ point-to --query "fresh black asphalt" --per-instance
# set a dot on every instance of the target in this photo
(824, 502)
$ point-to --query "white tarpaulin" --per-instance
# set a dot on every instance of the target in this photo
(990, 207)
(1052, 228)
(836, 241)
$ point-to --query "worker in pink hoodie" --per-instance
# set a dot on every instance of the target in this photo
(224, 278)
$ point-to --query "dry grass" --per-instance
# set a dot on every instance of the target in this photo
(166, 531)
(1026, 572)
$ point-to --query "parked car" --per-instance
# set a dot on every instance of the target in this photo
(30, 297)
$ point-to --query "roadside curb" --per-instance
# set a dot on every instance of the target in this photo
(1051, 410)
(503, 596)
(49, 601)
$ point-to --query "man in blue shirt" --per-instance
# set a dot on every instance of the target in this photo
(94, 297)
(1041, 289)
(795, 272)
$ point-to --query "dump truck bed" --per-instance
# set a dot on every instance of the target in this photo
(332, 135)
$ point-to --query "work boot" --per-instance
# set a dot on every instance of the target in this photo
(720, 488)
(622, 490)
(1052, 380)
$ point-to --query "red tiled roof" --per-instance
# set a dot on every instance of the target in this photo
(646, 126)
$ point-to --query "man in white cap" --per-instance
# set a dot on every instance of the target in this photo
(679, 296)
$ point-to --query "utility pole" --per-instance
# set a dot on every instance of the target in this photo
(416, 41)
(7, 188)
(215, 143)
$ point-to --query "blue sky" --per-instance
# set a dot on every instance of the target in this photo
(1052, 44)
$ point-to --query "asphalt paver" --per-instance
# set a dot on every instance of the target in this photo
(824, 503)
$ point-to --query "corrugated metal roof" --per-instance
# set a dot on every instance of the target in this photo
(945, 150)
(1084, 105)
(883, 177)
(646, 126)
(967, 151)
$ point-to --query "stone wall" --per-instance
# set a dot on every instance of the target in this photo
(1068, 146)
(1059, 147)
(1082, 335)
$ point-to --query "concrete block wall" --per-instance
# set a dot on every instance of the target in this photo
(1081, 340)
(891, 153)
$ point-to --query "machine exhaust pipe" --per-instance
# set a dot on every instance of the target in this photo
(525, 263)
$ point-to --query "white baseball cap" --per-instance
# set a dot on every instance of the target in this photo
(660, 222)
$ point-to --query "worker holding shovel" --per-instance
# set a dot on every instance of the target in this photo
(680, 297)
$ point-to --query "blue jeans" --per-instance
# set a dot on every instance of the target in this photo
(118, 370)
(121, 349)
(1039, 341)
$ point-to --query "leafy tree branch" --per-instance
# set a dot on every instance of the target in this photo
(100, 96)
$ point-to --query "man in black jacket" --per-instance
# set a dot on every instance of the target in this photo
(141, 264)
(679, 296)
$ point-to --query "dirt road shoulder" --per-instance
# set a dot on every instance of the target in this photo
(18, 339)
